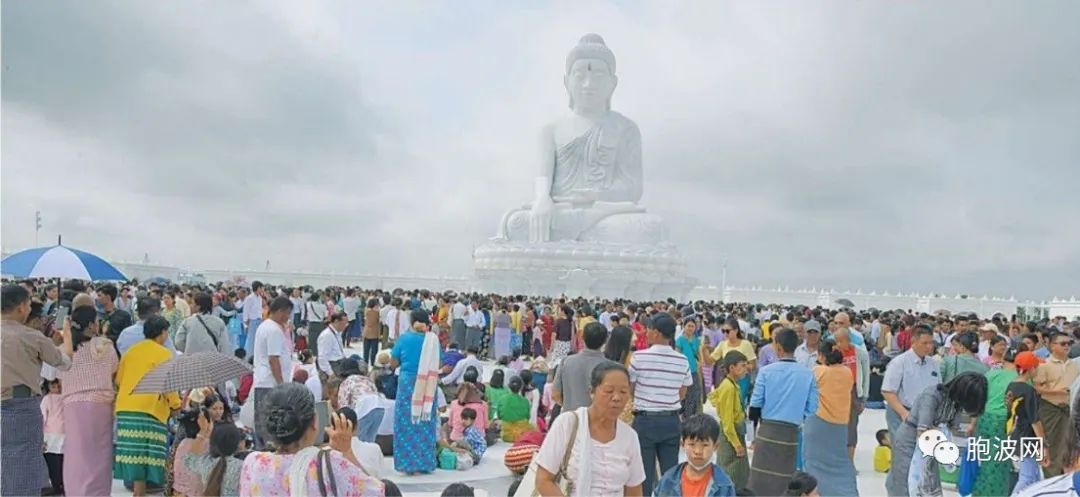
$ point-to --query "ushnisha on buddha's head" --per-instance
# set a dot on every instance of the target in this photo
(590, 75)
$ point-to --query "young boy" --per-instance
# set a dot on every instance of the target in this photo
(883, 452)
(698, 476)
(472, 444)
(727, 400)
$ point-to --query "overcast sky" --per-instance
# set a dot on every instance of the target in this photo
(916, 146)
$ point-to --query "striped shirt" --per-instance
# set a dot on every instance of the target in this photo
(657, 374)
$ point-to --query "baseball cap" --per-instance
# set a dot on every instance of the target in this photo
(663, 323)
(812, 325)
(1026, 361)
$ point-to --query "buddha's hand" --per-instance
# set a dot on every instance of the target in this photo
(540, 219)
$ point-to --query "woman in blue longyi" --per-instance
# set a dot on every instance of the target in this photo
(417, 353)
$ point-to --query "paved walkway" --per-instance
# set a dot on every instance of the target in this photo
(492, 477)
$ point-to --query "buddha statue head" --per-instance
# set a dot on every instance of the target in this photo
(590, 75)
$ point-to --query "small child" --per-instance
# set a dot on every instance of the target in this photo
(802, 485)
(458, 490)
(472, 445)
(883, 452)
(698, 476)
(52, 412)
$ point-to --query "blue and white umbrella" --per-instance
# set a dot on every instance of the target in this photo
(59, 262)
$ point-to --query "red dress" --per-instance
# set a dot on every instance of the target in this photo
(547, 323)
(640, 340)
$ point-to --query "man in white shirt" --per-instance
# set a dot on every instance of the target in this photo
(384, 319)
(273, 358)
(659, 379)
(474, 326)
(253, 315)
(330, 348)
(457, 376)
(605, 317)
(351, 305)
(457, 322)
(298, 308)
(807, 352)
(393, 320)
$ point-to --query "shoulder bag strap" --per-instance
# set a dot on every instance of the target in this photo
(208, 332)
(326, 473)
(569, 448)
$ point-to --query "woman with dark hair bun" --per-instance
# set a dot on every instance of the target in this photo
(88, 403)
(823, 456)
(965, 345)
(290, 423)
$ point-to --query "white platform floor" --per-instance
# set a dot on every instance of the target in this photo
(491, 478)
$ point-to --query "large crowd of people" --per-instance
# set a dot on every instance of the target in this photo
(593, 397)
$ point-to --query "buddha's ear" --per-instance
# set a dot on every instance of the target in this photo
(566, 86)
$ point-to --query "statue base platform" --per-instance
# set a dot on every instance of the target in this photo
(582, 269)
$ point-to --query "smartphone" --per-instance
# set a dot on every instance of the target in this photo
(61, 315)
(322, 413)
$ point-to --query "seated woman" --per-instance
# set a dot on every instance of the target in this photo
(514, 412)
(217, 467)
(472, 376)
(495, 391)
(291, 425)
(468, 398)
(528, 390)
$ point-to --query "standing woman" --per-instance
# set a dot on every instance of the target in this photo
(689, 344)
(372, 331)
(736, 341)
(502, 333)
(823, 456)
(564, 334)
(993, 477)
(88, 399)
(965, 345)
(528, 322)
(547, 326)
(641, 341)
(417, 354)
(910, 474)
(141, 433)
(172, 313)
(602, 454)
(996, 359)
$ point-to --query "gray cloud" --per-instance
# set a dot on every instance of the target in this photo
(876, 146)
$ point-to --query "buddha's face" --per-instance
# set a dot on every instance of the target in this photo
(590, 84)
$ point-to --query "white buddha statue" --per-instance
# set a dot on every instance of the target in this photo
(589, 177)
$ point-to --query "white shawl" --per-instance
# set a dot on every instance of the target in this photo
(298, 471)
(427, 379)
